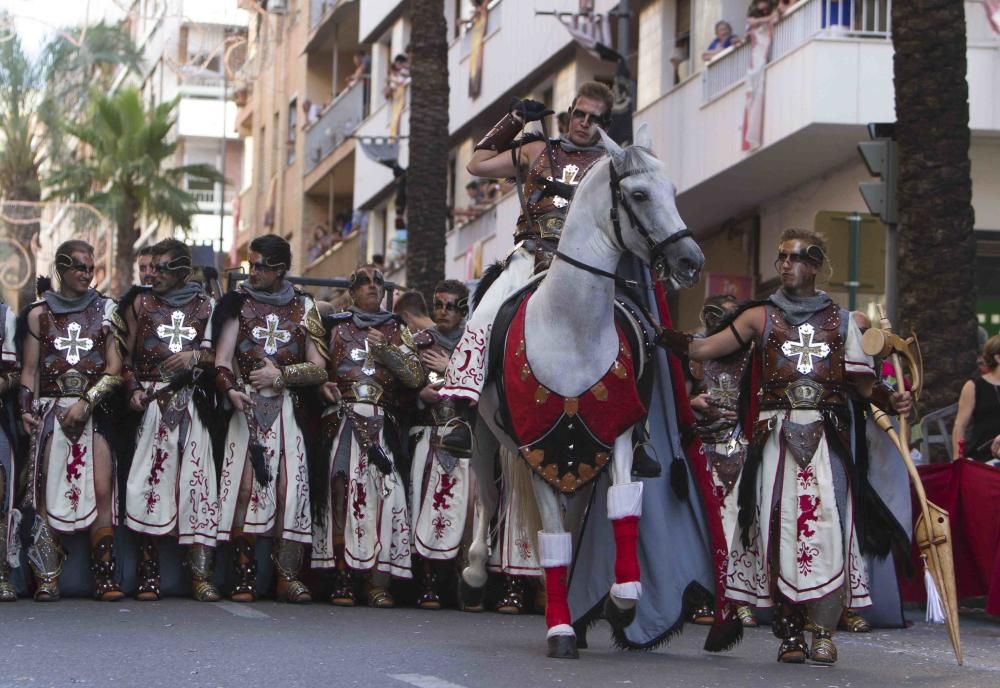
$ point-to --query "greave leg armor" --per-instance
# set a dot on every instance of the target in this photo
(201, 559)
(245, 563)
(343, 582)
(148, 572)
(789, 622)
(287, 557)
(102, 564)
(824, 614)
(429, 598)
(7, 591)
(45, 557)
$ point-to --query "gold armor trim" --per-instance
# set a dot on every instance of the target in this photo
(403, 363)
(104, 386)
(72, 383)
(314, 326)
(367, 391)
(804, 393)
(407, 337)
(302, 375)
(119, 331)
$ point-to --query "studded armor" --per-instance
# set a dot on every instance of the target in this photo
(443, 411)
(274, 332)
(546, 213)
(71, 349)
(804, 364)
(164, 330)
(362, 374)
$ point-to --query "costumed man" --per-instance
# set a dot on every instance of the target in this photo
(546, 173)
(798, 544)
(440, 483)
(144, 265)
(362, 521)
(270, 354)
(716, 404)
(171, 487)
(10, 379)
(70, 364)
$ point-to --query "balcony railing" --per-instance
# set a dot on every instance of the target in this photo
(320, 9)
(805, 21)
(335, 124)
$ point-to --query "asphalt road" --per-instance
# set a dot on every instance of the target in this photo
(179, 642)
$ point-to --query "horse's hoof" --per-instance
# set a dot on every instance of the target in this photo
(563, 647)
(581, 635)
(470, 599)
(619, 618)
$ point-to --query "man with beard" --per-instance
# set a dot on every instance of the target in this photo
(362, 522)
(440, 483)
(269, 351)
(71, 363)
(797, 546)
(168, 347)
(144, 263)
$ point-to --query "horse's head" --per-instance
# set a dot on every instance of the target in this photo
(644, 218)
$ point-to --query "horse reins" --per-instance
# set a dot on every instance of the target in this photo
(618, 198)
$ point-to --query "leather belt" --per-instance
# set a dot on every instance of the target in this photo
(803, 393)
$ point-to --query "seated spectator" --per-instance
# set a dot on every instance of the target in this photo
(311, 110)
(724, 38)
(979, 402)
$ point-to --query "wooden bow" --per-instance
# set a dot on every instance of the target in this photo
(933, 529)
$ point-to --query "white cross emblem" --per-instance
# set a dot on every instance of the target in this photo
(805, 349)
(72, 344)
(272, 335)
(176, 332)
(568, 177)
(368, 367)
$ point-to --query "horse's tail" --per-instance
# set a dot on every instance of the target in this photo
(517, 477)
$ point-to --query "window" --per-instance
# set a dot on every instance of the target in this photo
(292, 133)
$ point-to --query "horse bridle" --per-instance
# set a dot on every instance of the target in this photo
(618, 198)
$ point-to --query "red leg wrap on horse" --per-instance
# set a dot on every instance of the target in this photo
(626, 549)
(556, 606)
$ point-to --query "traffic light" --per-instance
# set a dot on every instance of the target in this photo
(879, 155)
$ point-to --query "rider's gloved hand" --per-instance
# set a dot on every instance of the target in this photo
(528, 110)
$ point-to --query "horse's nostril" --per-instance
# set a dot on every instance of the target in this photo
(689, 265)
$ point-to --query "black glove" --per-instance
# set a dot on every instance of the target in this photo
(556, 188)
(676, 341)
(529, 110)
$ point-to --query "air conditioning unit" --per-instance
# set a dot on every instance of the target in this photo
(277, 6)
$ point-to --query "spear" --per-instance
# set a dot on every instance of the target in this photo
(933, 530)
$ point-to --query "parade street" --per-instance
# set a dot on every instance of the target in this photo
(183, 643)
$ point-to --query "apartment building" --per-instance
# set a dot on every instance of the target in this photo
(191, 51)
(829, 74)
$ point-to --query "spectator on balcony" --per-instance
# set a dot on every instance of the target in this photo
(362, 68)
(724, 38)
(399, 76)
(322, 240)
(979, 403)
(311, 111)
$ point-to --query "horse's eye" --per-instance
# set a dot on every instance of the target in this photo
(640, 196)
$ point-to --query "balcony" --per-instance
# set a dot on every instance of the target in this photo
(825, 84)
(492, 231)
(371, 178)
(338, 261)
(206, 118)
(375, 15)
(322, 10)
(335, 124)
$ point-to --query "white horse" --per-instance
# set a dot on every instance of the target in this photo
(571, 345)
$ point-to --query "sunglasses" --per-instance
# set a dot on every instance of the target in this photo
(80, 267)
(795, 258)
(447, 306)
(589, 117)
(261, 266)
(164, 268)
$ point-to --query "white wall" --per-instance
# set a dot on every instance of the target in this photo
(373, 12)
(985, 156)
(206, 118)
(225, 12)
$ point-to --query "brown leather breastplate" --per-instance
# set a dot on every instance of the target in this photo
(570, 167)
(274, 332)
(72, 341)
(358, 374)
(722, 378)
(163, 331)
(804, 364)
(444, 410)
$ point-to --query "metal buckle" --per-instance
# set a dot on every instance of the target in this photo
(550, 228)
(804, 393)
(367, 391)
(72, 383)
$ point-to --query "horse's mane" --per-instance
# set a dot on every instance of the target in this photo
(638, 160)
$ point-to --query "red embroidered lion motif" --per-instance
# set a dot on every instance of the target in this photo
(444, 492)
(808, 505)
(74, 466)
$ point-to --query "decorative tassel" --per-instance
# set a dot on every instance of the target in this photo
(935, 608)
(679, 478)
(43, 284)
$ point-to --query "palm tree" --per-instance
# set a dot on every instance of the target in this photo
(937, 291)
(427, 175)
(121, 171)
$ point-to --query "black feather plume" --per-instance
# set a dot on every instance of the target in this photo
(679, 478)
(43, 284)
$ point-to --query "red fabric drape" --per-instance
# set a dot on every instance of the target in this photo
(970, 493)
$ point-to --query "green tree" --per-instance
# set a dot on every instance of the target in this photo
(123, 169)
(937, 290)
(427, 175)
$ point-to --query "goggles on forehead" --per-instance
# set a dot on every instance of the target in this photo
(459, 306)
(67, 263)
(813, 255)
(361, 278)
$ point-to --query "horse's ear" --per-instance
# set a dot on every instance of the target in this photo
(643, 139)
(615, 151)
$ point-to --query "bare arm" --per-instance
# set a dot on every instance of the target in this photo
(226, 345)
(488, 163)
(748, 324)
(966, 405)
